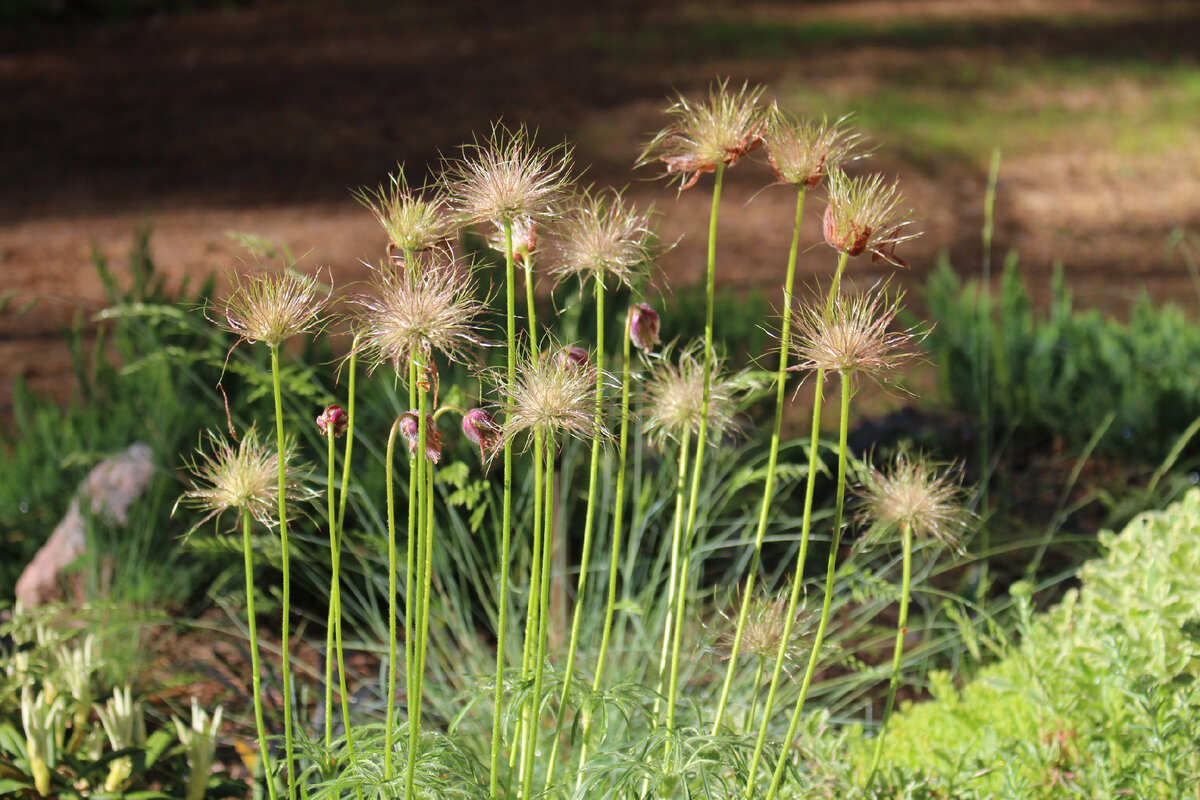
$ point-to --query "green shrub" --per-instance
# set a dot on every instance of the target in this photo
(1061, 372)
(1098, 699)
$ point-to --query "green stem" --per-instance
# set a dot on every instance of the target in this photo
(685, 445)
(797, 581)
(836, 287)
(826, 607)
(897, 653)
(390, 715)
(543, 622)
(285, 563)
(506, 528)
(337, 563)
(256, 676)
(588, 526)
(423, 470)
(614, 560)
(333, 587)
(530, 308)
(772, 462)
(351, 369)
(759, 670)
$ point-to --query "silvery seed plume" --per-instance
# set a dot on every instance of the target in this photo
(505, 178)
(412, 221)
(673, 398)
(719, 130)
(865, 215)
(272, 307)
(604, 238)
(912, 493)
(766, 620)
(245, 477)
(853, 338)
(552, 396)
(411, 315)
(802, 152)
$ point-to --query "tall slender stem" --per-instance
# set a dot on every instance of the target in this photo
(772, 462)
(423, 469)
(797, 581)
(256, 676)
(285, 563)
(615, 557)
(830, 574)
(389, 724)
(673, 587)
(506, 527)
(543, 621)
(333, 587)
(588, 527)
(897, 653)
(337, 569)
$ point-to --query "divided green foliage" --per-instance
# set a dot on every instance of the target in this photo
(1099, 699)
(1063, 371)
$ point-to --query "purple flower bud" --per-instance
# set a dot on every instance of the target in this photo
(643, 326)
(333, 418)
(481, 428)
(412, 433)
(574, 355)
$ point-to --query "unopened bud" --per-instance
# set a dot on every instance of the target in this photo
(643, 326)
(852, 241)
(481, 428)
(334, 418)
(411, 430)
(576, 356)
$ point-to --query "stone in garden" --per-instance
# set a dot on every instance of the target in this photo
(111, 487)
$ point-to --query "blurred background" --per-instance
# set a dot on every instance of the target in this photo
(200, 117)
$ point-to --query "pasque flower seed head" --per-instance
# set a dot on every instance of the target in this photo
(852, 336)
(413, 222)
(912, 494)
(674, 399)
(865, 215)
(719, 130)
(604, 238)
(272, 307)
(802, 152)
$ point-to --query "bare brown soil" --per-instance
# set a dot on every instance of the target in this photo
(260, 118)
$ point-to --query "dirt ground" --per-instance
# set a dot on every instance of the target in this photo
(261, 117)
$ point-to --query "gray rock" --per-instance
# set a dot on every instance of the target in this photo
(110, 489)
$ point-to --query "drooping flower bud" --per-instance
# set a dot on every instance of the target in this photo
(576, 356)
(410, 428)
(643, 326)
(481, 428)
(335, 419)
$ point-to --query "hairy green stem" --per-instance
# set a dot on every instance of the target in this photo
(333, 587)
(423, 470)
(285, 563)
(797, 580)
(588, 527)
(256, 676)
(341, 521)
(505, 530)
(772, 463)
(543, 622)
(897, 653)
(685, 444)
(827, 605)
(615, 557)
(390, 714)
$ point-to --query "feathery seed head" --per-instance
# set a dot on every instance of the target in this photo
(913, 494)
(412, 222)
(766, 621)
(412, 314)
(334, 418)
(481, 428)
(644, 325)
(802, 152)
(245, 477)
(505, 178)
(552, 396)
(674, 399)
(603, 237)
(853, 337)
(701, 135)
(410, 429)
(866, 216)
(272, 308)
